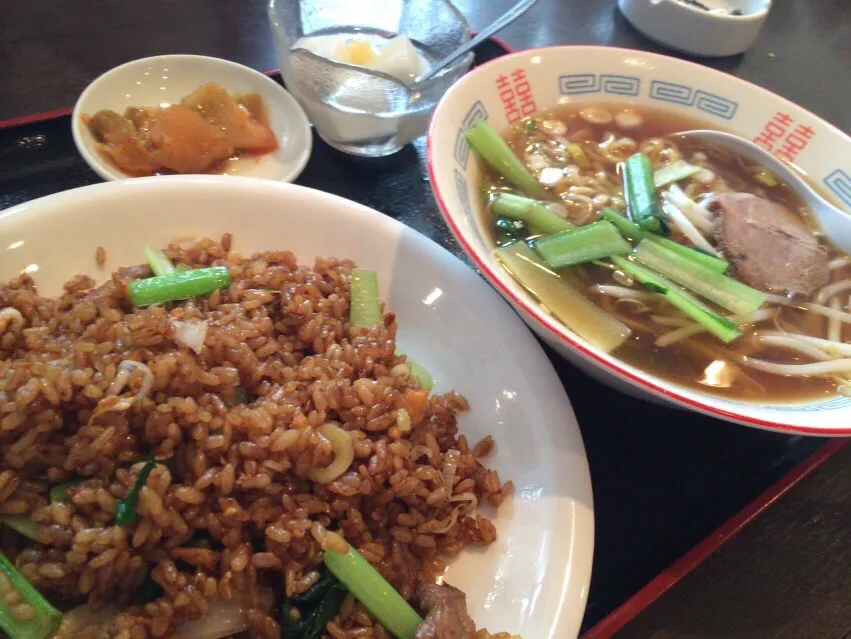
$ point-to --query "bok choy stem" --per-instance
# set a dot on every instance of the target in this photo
(562, 299)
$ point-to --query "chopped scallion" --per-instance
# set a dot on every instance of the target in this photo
(365, 312)
(365, 309)
(160, 264)
(21, 524)
(585, 244)
(179, 285)
(496, 152)
(374, 592)
(641, 198)
(46, 619)
(718, 325)
(728, 293)
(535, 214)
(674, 172)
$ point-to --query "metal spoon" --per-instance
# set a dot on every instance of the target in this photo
(502, 21)
(835, 222)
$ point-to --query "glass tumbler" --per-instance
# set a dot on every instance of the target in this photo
(355, 109)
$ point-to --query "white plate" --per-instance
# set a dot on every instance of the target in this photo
(506, 89)
(166, 79)
(534, 579)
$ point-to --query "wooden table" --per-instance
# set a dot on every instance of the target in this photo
(664, 480)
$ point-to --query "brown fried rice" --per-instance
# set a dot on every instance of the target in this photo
(229, 512)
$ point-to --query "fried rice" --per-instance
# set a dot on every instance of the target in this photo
(229, 511)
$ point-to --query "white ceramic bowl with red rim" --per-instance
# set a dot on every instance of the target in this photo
(516, 85)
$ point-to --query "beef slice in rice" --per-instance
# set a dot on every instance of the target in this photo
(447, 616)
(769, 246)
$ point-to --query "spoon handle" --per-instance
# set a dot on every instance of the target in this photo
(504, 20)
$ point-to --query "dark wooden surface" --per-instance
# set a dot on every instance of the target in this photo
(796, 586)
(663, 479)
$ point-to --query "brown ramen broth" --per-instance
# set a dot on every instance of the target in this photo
(577, 153)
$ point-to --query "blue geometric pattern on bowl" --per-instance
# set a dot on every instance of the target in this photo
(840, 183)
(580, 83)
(830, 404)
(462, 147)
(688, 96)
(464, 197)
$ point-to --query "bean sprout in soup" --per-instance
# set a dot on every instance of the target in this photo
(679, 258)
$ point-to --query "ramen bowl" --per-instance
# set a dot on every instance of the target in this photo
(522, 84)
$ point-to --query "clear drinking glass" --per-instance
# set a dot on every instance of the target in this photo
(354, 109)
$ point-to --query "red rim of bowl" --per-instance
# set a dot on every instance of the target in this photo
(551, 325)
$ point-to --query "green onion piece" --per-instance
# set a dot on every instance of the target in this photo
(641, 200)
(180, 285)
(627, 228)
(695, 255)
(21, 524)
(536, 215)
(46, 619)
(584, 244)
(374, 592)
(724, 291)
(417, 370)
(488, 144)
(160, 264)
(125, 511)
(563, 299)
(577, 154)
(365, 311)
(634, 233)
(720, 326)
(674, 172)
(365, 307)
(59, 493)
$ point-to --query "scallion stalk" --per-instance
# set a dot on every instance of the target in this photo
(496, 152)
(585, 244)
(728, 293)
(46, 619)
(718, 325)
(365, 307)
(365, 312)
(674, 172)
(535, 214)
(636, 234)
(160, 264)
(641, 199)
(59, 492)
(368, 586)
(179, 285)
(21, 524)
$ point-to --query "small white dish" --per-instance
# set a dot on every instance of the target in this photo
(724, 27)
(533, 581)
(166, 79)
